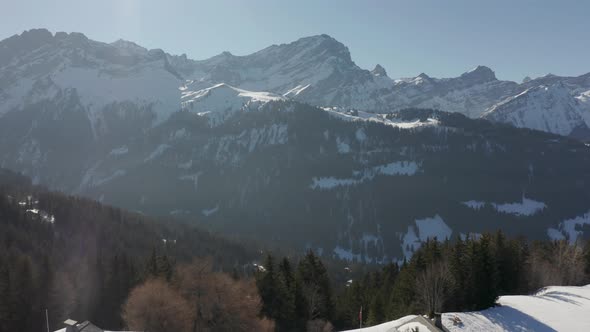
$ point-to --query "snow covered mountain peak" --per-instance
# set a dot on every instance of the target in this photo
(317, 70)
(220, 101)
(423, 76)
(549, 108)
(379, 71)
(38, 67)
(223, 89)
(323, 44)
(479, 74)
(129, 47)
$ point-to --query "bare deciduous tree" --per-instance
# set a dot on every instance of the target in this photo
(156, 307)
(563, 266)
(432, 285)
(219, 302)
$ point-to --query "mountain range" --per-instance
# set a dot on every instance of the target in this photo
(296, 144)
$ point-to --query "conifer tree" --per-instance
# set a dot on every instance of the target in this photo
(23, 290)
(267, 288)
(286, 289)
(376, 311)
(5, 297)
(315, 287)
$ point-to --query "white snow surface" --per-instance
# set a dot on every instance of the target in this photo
(193, 178)
(119, 151)
(428, 228)
(526, 207)
(150, 85)
(380, 118)
(567, 228)
(547, 108)
(208, 212)
(397, 168)
(160, 149)
(346, 254)
(342, 146)
(405, 324)
(475, 205)
(221, 100)
(387, 327)
(555, 308)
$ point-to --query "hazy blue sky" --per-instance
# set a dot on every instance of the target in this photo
(439, 37)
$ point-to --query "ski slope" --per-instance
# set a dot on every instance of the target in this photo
(555, 308)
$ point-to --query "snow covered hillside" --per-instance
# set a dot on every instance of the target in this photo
(556, 308)
(547, 108)
(218, 102)
(38, 66)
(408, 323)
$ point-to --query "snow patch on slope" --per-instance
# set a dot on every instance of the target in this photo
(192, 177)
(380, 118)
(157, 152)
(428, 228)
(346, 254)
(211, 211)
(119, 151)
(526, 207)
(567, 228)
(406, 168)
(149, 86)
(342, 146)
(221, 100)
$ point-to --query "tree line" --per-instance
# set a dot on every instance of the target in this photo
(124, 270)
(460, 275)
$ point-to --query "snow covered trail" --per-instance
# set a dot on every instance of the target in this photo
(555, 308)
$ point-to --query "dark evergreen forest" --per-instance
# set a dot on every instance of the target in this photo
(84, 260)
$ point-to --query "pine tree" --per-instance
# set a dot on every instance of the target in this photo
(286, 289)
(376, 312)
(485, 287)
(267, 288)
(151, 266)
(5, 297)
(401, 301)
(23, 291)
(315, 287)
(459, 269)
